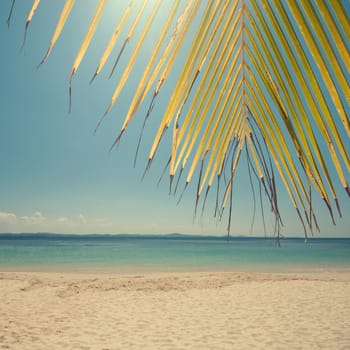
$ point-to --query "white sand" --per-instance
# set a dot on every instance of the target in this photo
(175, 311)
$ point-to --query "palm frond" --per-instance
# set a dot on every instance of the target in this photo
(29, 18)
(85, 44)
(62, 20)
(270, 77)
(8, 21)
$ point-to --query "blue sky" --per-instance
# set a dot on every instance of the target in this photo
(57, 176)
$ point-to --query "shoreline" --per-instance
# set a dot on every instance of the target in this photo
(175, 310)
(130, 269)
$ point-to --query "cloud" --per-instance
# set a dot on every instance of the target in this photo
(82, 219)
(7, 221)
(62, 219)
(7, 217)
(36, 218)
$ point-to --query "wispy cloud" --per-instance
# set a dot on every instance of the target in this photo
(82, 219)
(7, 217)
(39, 222)
(62, 220)
(36, 218)
(7, 221)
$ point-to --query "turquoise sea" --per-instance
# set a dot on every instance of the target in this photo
(138, 253)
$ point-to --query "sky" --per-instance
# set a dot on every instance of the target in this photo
(56, 175)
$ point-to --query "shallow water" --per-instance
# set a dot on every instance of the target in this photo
(123, 253)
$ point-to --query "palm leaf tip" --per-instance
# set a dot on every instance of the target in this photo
(8, 21)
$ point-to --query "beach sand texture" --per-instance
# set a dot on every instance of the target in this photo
(175, 311)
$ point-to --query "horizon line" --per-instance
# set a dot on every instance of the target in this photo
(168, 235)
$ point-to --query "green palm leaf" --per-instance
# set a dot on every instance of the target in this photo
(269, 78)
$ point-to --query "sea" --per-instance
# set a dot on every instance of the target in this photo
(170, 253)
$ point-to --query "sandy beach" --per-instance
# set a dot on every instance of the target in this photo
(216, 310)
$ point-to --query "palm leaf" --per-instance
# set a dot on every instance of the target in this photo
(269, 77)
(62, 20)
(85, 43)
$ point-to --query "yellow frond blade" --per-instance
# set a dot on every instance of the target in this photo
(61, 22)
(113, 40)
(29, 18)
(86, 42)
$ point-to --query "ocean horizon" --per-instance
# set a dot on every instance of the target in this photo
(139, 253)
